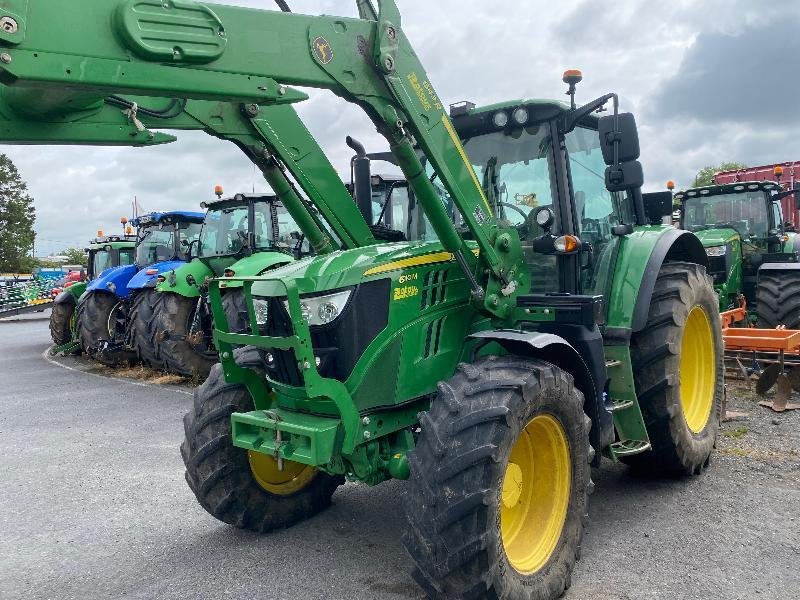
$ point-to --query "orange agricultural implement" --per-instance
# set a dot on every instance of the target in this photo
(775, 343)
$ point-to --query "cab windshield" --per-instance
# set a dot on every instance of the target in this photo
(227, 230)
(101, 260)
(517, 171)
(746, 212)
(163, 242)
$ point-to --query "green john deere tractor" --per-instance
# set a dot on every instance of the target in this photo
(245, 235)
(548, 324)
(750, 256)
(103, 253)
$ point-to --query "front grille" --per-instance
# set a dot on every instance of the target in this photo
(719, 266)
(337, 345)
(434, 287)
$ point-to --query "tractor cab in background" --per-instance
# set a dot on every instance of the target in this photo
(104, 312)
(242, 235)
(753, 260)
(103, 252)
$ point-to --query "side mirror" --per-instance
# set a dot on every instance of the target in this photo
(191, 248)
(657, 205)
(624, 176)
(619, 130)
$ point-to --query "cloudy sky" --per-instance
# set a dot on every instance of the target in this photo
(709, 81)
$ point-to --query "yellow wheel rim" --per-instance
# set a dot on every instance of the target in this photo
(698, 370)
(536, 492)
(294, 477)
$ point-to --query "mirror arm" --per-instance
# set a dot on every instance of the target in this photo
(571, 118)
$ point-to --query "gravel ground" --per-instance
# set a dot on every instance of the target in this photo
(93, 505)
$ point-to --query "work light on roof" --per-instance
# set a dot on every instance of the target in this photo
(520, 115)
(500, 119)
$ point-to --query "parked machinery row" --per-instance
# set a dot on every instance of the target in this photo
(546, 322)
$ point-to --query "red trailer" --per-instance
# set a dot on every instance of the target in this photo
(787, 174)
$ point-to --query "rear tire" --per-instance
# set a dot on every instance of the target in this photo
(143, 328)
(480, 525)
(102, 320)
(778, 299)
(61, 322)
(173, 316)
(235, 307)
(678, 372)
(223, 477)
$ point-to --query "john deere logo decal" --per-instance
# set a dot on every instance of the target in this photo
(322, 50)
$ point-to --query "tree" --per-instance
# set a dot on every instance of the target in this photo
(76, 256)
(705, 176)
(17, 216)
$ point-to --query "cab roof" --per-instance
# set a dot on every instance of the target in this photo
(168, 217)
(240, 198)
(728, 188)
(469, 119)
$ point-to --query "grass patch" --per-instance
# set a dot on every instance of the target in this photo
(736, 433)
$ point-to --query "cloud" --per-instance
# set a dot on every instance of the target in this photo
(674, 64)
(745, 77)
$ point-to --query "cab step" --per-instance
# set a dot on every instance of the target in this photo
(629, 447)
(617, 405)
(65, 349)
(612, 363)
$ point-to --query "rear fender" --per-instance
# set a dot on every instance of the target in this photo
(179, 280)
(66, 297)
(590, 377)
(147, 277)
(114, 280)
(256, 264)
(639, 261)
(72, 293)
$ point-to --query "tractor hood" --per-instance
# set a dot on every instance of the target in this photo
(717, 237)
(350, 267)
(147, 277)
(256, 264)
(114, 280)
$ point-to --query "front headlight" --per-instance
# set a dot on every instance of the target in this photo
(321, 310)
(260, 307)
(716, 250)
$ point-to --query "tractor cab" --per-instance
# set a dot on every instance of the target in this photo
(548, 184)
(165, 237)
(106, 251)
(247, 224)
(741, 227)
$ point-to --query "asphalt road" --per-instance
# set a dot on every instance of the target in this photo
(93, 505)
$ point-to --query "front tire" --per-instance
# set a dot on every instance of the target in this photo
(237, 486)
(778, 299)
(174, 315)
(61, 323)
(498, 493)
(678, 372)
(103, 318)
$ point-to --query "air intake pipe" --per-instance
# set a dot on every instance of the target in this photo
(360, 179)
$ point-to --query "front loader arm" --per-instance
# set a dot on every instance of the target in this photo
(58, 54)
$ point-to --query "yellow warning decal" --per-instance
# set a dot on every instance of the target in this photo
(414, 261)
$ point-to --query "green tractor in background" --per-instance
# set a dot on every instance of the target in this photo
(104, 252)
(242, 235)
(753, 260)
(548, 324)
